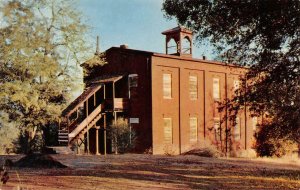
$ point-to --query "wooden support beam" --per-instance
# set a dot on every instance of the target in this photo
(114, 94)
(115, 116)
(95, 99)
(104, 136)
(97, 140)
(78, 147)
(87, 107)
(88, 142)
(104, 94)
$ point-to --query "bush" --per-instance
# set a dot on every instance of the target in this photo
(270, 143)
(122, 136)
(205, 150)
(27, 145)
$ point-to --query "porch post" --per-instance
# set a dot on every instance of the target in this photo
(114, 94)
(104, 135)
(78, 148)
(97, 140)
(88, 141)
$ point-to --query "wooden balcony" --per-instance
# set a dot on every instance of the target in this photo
(117, 104)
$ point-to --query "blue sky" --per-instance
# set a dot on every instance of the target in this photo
(138, 23)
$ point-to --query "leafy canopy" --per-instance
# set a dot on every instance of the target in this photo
(40, 43)
(262, 34)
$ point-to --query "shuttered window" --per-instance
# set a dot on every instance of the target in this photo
(168, 133)
(216, 88)
(193, 129)
(237, 129)
(193, 87)
(167, 86)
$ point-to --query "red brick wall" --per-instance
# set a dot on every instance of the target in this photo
(180, 107)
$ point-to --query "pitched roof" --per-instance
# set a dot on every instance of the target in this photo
(177, 29)
(106, 78)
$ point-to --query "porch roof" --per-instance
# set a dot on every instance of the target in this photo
(106, 79)
(89, 91)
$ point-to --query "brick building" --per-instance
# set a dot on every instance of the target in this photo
(171, 100)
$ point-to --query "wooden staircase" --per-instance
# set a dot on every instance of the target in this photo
(86, 110)
(81, 129)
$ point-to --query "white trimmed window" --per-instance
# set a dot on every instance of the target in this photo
(168, 132)
(167, 86)
(217, 128)
(254, 123)
(216, 88)
(133, 80)
(237, 129)
(236, 85)
(193, 129)
(193, 87)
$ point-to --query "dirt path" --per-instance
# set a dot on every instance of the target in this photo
(133, 171)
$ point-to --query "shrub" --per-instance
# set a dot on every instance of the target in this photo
(205, 150)
(122, 136)
(270, 143)
(27, 144)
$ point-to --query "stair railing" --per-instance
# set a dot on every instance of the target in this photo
(85, 122)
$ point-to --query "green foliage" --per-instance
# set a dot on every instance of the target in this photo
(27, 144)
(263, 35)
(8, 134)
(123, 138)
(40, 44)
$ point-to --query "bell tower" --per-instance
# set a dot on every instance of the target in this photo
(179, 41)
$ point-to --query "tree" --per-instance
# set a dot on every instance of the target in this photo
(40, 43)
(263, 35)
(8, 134)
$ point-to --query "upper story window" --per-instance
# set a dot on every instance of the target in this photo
(237, 129)
(168, 132)
(193, 87)
(193, 129)
(133, 80)
(167, 86)
(216, 88)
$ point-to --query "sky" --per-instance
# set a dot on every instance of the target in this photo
(137, 23)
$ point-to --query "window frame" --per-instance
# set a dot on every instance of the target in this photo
(193, 95)
(217, 129)
(216, 94)
(193, 138)
(237, 129)
(165, 139)
(167, 89)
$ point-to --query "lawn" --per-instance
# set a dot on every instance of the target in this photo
(137, 171)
